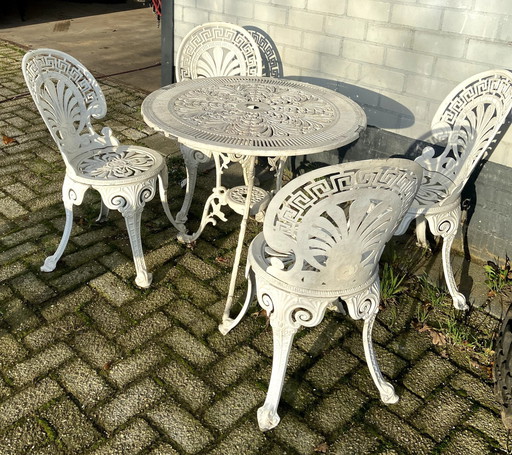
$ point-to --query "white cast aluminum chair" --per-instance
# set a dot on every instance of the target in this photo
(209, 50)
(322, 239)
(68, 97)
(465, 124)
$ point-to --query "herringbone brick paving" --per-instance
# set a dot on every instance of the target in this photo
(90, 364)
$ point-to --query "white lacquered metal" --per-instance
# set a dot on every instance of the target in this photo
(68, 97)
(217, 49)
(258, 116)
(465, 126)
(322, 239)
(236, 119)
(209, 50)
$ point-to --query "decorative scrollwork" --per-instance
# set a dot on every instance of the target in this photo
(466, 124)
(218, 49)
(328, 229)
(67, 96)
(270, 59)
(257, 111)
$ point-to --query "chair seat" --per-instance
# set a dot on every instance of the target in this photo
(117, 165)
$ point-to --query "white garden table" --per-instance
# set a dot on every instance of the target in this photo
(242, 118)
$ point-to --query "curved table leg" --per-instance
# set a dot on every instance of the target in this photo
(192, 159)
(243, 226)
(229, 323)
(212, 207)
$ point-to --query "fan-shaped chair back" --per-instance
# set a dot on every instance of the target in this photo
(218, 49)
(67, 97)
(326, 229)
(466, 124)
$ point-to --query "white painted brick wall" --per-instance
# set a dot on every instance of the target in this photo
(212, 5)
(323, 44)
(363, 51)
(494, 6)
(369, 10)
(398, 58)
(270, 14)
(471, 24)
(339, 69)
(435, 43)
(306, 21)
(336, 7)
(410, 61)
(240, 9)
(416, 16)
(485, 52)
(390, 35)
(345, 27)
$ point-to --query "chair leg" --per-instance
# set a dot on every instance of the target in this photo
(459, 301)
(130, 200)
(421, 232)
(192, 159)
(51, 261)
(132, 218)
(283, 330)
(72, 194)
(446, 225)
(387, 392)
(103, 215)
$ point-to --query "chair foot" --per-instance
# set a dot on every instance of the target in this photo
(267, 418)
(387, 393)
(144, 279)
(49, 264)
(226, 326)
(459, 301)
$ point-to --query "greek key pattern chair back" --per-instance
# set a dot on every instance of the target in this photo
(326, 229)
(67, 97)
(270, 58)
(466, 124)
(218, 49)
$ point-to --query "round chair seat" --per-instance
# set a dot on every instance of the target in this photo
(236, 196)
(118, 164)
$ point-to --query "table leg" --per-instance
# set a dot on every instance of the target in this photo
(227, 322)
(212, 207)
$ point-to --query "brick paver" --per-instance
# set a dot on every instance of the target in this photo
(92, 365)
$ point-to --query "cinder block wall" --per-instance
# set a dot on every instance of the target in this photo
(397, 58)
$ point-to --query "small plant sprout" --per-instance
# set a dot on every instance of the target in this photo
(431, 293)
(391, 283)
(497, 276)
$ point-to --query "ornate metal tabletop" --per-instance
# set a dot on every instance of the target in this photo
(258, 116)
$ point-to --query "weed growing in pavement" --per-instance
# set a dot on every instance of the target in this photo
(430, 293)
(497, 277)
(391, 283)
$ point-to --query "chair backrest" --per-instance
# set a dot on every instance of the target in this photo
(327, 228)
(67, 96)
(272, 66)
(217, 49)
(466, 124)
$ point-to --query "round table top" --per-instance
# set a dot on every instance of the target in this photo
(259, 116)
